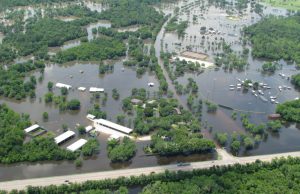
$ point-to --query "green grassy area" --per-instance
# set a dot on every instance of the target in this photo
(287, 4)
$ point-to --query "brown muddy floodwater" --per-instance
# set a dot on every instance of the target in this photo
(214, 83)
(123, 81)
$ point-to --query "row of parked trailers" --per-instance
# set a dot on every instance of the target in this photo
(82, 89)
(59, 139)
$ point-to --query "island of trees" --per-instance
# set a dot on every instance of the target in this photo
(276, 38)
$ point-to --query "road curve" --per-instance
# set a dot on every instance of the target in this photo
(226, 159)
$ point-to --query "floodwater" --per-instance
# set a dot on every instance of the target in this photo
(123, 80)
(214, 83)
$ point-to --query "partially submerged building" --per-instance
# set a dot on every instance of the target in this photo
(61, 85)
(32, 128)
(64, 137)
(109, 127)
(77, 145)
(94, 89)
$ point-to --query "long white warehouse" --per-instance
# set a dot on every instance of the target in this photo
(31, 128)
(60, 85)
(63, 137)
(76, 145)
(94, 89)
(110, 125)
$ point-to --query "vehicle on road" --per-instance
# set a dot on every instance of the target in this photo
(183, 164)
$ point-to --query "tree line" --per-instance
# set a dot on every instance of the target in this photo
(250, 178)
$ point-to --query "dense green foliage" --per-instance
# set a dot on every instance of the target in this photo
(221, 138)
(41, 34)
(12, 146)
(276, 38)
(4, 4)
(98, 49)
(279, 176)
(179, 141)
(91, 147)
(131, 12)
(179, 27)
(270, 67)
(290, 110)
(296, 80)
(120, 151)
(12, 84)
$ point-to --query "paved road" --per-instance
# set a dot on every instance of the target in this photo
(226, 159)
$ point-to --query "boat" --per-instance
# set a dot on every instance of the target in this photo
(151, 84)
(255, 95)
(260, 92)
(276, 102)
(263, 98)
(231, 85)
(253, 91)
(238, 88)
(272, 100)
(231, 88)
(273, 97)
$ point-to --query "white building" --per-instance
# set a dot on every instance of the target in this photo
(90, 117)
(61, 85)
(31, 128)
(88, 128)
(109, 127)
(63, 137)
(94, 89)
(77, 145)
(82, 89)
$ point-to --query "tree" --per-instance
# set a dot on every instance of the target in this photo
(221, 138)
(274, 126)
(73, 104)
(121, 119)
(48, 97)
(91, 147)
(296, 79)
(290, 110)
(249, 143)
(50, 86)
(64, 91)
(78, 162)
(115, 94)
(45, 116)
(121, 151)
(235, 146)
(81, 130)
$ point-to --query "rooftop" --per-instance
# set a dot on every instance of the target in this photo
(31, 128)
(64, 136)
(113, 126)
(77, 145)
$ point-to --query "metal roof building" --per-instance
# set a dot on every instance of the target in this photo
(111, 125)
(63, 137)
(61, 85)
(89, 128)
(31, 128)
(77, 145)
(93, 89)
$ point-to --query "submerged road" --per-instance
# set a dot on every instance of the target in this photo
(226, 159)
